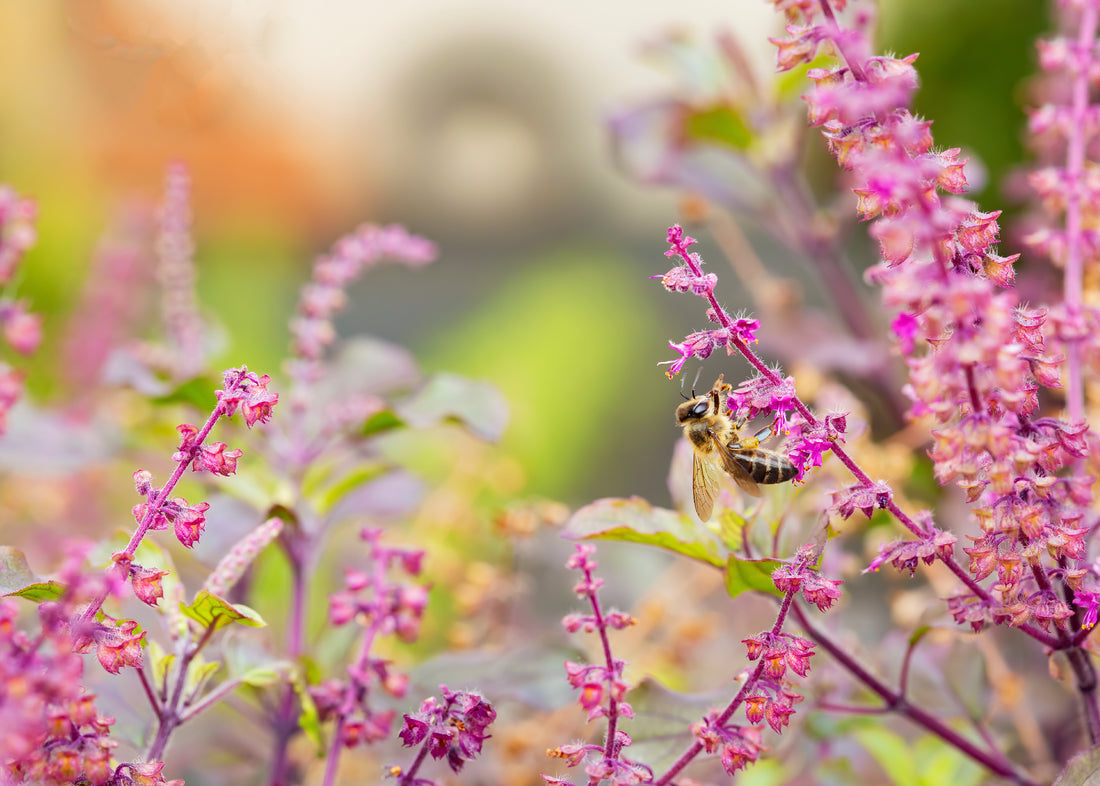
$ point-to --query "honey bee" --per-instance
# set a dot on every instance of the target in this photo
(716, 444)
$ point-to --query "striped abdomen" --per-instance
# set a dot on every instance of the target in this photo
(764, 466)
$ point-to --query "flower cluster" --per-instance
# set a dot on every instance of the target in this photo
(738, 746)
(600, 687)
(906, 554)
(767, 393)
(53, 732)
(249, 392)
(984, 356)
(21, 329)
(243, 390)
(687, 276)
(453, 728)
(766, 694)
(798, 576)
(382, 606)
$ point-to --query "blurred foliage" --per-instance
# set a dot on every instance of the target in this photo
(564, 341)
(975, 58)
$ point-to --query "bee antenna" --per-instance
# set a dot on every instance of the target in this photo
(682, 394)
(696, 380)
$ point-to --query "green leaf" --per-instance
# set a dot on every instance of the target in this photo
(40, 591)
(384, 420)
(359, 475)
(159, 661)
(198, 392)
(308, 719)
(722, 123)
(892, 752)
(266, 674)
(1082, 770)
(636, 521)
(751, 575)
(450, 398)
(17, 579)
(730, 526)
(198, 673)
(15, 573)
(941, 763)
(918, 634)
(211, 611)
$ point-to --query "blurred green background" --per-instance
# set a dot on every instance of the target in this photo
(477, 123)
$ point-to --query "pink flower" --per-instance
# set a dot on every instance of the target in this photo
(147, 584)
(22, 329)
(118, 646)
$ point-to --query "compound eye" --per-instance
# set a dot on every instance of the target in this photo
(700, 409)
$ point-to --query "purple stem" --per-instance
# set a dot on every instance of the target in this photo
(697, 747)
(169, 716)
(611, 747)
(149, 694)
(150, 515)
(896, 702)
(352, 694)
(285, 725)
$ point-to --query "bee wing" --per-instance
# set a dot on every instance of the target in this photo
(735, 470)
(704, 486)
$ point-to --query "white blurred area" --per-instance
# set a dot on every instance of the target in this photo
(484, 115)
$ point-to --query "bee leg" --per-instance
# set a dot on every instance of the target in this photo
(764, 433)
(753, 442)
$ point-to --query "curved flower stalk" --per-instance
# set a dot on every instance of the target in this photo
(732, 141)
(181, 354)
(324, 296)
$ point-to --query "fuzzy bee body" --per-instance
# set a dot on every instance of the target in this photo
(716, 445)
(763, 466)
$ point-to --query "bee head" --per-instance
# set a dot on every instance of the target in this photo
(693, 409)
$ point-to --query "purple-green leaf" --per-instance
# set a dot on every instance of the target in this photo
(17, 579)
(636, 521)
(751, 575)
(211, 611)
